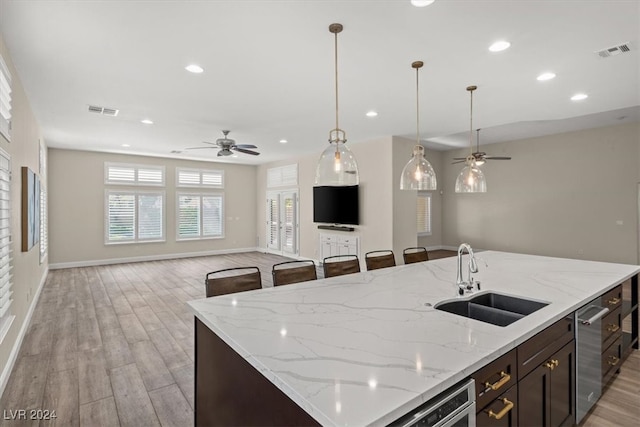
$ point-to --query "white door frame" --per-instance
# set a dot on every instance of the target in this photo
(276, 245)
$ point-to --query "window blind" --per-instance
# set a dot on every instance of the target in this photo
(424, 213)
(210, 178)
(5, 244)
(5, 100)
(283, 176)
(133, 174)
(134, 216)
(200, 216)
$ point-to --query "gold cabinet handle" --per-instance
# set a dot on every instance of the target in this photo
(613, 360)
(612, 328)
(614, 301)
(508, 405)
(504, 378)
(552, 364)
(555, 362)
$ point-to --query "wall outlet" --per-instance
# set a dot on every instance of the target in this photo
(619, 222)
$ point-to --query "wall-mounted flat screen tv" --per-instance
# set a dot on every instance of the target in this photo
(336, 205)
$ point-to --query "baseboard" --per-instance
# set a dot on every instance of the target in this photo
(160, 257)
(274, 252)
(13, 356)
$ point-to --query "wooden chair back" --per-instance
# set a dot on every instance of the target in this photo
(379, 259)
(286, 273)
(232, 280)
(339, 265)
(417, 254)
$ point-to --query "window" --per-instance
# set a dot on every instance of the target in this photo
(283, 176)
(134, 216)
(5, 100)
(44, 232)
(200, 178)
(200, 216)
(424, 213)
(5, 244)
(127, 174)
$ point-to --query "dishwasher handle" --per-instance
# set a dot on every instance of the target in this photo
(599, 315)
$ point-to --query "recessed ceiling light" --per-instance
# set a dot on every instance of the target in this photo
(126, 145)
(146, 121)
(193, 68)
(283, 141)
(546, 76)
(499, 46)
(372, 114)
(579, 96)
(421, 3)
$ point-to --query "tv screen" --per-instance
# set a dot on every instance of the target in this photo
(336, 205)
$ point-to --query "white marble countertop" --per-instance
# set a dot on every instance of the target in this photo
(364, 349)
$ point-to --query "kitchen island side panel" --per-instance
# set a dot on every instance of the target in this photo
(229, 391)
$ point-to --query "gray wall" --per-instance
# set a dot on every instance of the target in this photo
(77, 216)
(561, 195)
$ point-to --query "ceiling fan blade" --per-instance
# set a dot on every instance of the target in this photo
(497, 158)
(459, 158)
(242, 150)
(459, 161)
(197, 148)
(212, 143)
(245, 146)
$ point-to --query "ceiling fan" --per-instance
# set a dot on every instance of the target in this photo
(226, 145)
(480, 156)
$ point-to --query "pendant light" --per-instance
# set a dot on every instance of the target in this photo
(418, 174)
(471, 179)
(337, 165)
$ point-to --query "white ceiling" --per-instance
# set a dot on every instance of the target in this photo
(269, 71)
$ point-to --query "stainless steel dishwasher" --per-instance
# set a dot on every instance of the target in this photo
(455, 407)
(588, 356)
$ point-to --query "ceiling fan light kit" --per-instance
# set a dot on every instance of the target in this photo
(471, 179)
(337, 165)
(418, 174)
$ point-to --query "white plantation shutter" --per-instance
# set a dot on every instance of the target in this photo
(121, 217)
(200, 216)
(5, 244)
(283, 176)
(44, 232)
(134, 216)
(200, 178)
(150, 221)
(424, 213)
(5, 100)
(212, 216)
(188, 216)
(273, 233)
(116, 173)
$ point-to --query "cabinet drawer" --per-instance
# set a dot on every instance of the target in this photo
(495, 378)
(329, 238)
(502, 411)
(613, 298)
(611, 327)
(611, 360)
(540, 347)
(347, 240)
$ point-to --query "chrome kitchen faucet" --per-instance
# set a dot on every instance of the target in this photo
(469, 284)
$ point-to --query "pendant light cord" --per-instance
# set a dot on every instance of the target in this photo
(417, 108)
(336, 67)
(471, 127)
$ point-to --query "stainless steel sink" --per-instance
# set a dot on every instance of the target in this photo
(497, 309)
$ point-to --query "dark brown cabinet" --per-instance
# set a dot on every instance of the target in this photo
(501, 412)
(546, 395)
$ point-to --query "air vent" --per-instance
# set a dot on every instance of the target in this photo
(103, 110)
(614, 50)
(176, 152)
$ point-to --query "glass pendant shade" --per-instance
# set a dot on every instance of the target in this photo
(418, 174)
(471, 179)
(337, 166)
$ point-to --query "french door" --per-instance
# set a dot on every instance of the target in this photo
(282, 222)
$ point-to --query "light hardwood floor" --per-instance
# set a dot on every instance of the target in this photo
(113, 345)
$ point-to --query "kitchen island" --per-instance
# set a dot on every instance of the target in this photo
(366, 348)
